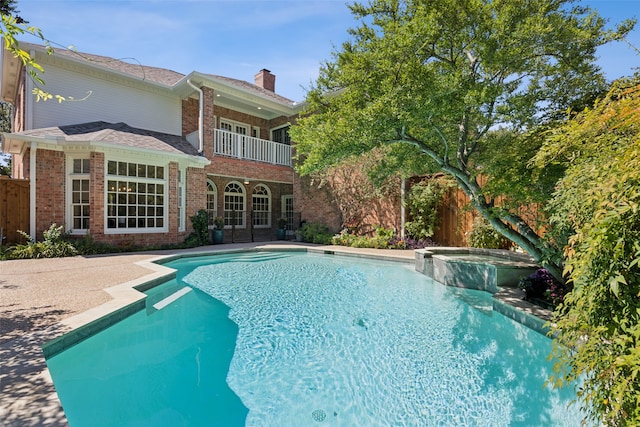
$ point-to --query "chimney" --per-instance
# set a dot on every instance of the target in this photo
(266, 80)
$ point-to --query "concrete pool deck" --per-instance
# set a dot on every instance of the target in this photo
(43, 299)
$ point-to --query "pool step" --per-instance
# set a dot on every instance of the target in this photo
(256, 257)
(233, 257)
(157, 300)
(171, 298)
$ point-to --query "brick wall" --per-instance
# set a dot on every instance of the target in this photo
(316, 203)
(96, 197)
(247, 169)
(50, 186)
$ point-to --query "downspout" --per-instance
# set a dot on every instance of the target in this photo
(29, 100)
(200, 117)
(32, 190)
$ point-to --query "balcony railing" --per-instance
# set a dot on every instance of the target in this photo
(239, 146)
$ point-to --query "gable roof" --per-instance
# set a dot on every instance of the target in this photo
(113, 134)
(169, 78)
(251, 87)
(143, 72)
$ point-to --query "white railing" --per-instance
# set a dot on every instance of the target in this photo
(232, 144)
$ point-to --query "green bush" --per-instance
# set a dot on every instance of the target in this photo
(422, 203)
(381, 240)
(87, 246)
(315, 233)
(597, 327)
(483, 235)
(200, 234)
(53, 246)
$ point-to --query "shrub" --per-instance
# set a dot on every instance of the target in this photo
(88, 246)
(483, 235)
(53, 246)
(422, 203)
(200, 234)
(542, 285)
(383, 239)
(315, 233)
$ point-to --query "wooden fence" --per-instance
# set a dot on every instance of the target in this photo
(456, 218)
(14, 209)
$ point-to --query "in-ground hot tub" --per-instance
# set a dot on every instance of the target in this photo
(484, 269)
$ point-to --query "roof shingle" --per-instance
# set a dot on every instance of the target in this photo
(117, 134)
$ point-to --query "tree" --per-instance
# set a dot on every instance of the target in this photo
(8, 7)
(597, 203)
(13, 26)
(443, 81)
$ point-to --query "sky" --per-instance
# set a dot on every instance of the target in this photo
(291, 38)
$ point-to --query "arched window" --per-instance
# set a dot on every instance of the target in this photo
(261, 204)
(234, 205)
(212, 201)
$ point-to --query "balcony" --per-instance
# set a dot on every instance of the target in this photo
(230, 144)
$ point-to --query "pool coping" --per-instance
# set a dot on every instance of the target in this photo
(128, 297)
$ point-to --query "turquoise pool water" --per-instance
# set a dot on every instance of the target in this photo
(295, 339)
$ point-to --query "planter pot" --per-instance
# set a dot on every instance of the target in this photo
(218, 236)
(280, 234)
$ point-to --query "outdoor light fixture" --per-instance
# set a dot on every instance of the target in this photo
(246, 181)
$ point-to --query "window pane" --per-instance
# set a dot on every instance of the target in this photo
(112, 167)
(134, 202)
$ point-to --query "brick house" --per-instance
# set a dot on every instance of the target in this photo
(135, 151)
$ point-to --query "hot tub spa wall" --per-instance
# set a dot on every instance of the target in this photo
(505, 271)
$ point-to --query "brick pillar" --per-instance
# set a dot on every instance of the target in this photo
(209, 124)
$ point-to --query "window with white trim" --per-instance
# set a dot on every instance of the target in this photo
(261, 206)
(235, 127)
(181, 201)
(281, 135)
(234, 205)
(136, 197)
(212, 202)
(79, 205)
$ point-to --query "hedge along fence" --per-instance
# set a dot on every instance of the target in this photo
(14, 209)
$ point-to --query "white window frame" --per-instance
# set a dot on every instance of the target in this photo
(285, 212)
(243, 213)
(125, 183)
(235, 126)
(212, 205)
(267, 198)
(181, 199)
(84, 175)
(286, 125)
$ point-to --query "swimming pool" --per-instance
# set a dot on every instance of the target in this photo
(296, 339)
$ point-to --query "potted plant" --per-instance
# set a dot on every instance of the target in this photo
(282, 227)
(218, 231)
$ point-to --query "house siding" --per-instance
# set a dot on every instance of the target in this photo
(105, 101)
